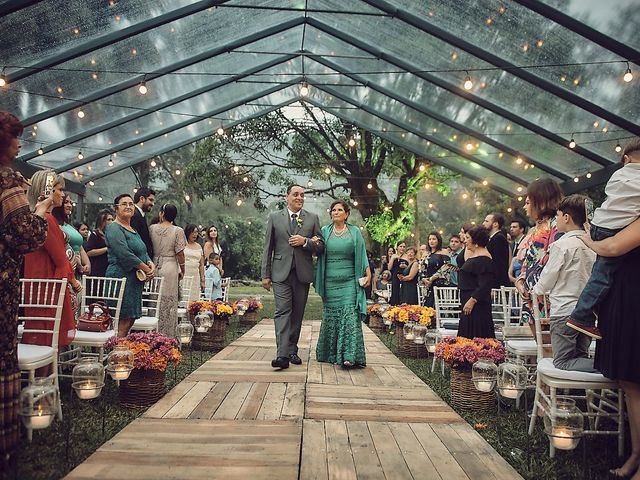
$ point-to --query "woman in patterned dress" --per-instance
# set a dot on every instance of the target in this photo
(20, 232)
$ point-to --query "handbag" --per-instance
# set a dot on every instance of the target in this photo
(90, 321)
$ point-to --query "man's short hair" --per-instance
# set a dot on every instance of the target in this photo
(520, 223)
(632, 149)
(293, 185)
(455, 235)
(573, 205)
(142, 192)
(499, 218)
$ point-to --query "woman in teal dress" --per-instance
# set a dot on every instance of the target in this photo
(341, 268)
(127, 253)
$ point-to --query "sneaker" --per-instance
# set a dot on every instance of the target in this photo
(593, 332)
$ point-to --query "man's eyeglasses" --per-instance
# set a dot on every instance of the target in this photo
(129, 204)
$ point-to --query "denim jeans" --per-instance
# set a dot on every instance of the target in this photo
(599, 282)
(570, 347)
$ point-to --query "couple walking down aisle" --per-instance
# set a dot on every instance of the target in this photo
(293, 236)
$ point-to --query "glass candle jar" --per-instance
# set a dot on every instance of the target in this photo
(38, 403)
(564, 424)
(88, 378)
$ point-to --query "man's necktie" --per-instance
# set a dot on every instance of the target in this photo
(293, 221)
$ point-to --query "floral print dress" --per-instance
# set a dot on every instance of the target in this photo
(20, 232)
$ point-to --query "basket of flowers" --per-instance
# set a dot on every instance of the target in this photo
(210, 324)
(376, 312)
(197, 306)
(247, 309)
(152, 354)
(460, 354)
(405, 318)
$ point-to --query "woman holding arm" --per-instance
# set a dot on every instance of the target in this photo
(126, 254)
(342, 274)
(434, 262)
(194, 262)
(617, 354)
(409, 279)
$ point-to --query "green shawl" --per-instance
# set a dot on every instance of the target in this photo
(361, 263)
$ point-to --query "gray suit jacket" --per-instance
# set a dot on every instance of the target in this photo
(279, 257)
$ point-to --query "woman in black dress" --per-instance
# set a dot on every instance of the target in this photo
(617, 354)
(434, 262)
(475, 279)
(409, 279)
(397, 263)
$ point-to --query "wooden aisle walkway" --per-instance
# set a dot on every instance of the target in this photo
(235, 418)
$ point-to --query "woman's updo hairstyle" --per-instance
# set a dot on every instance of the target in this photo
(10, 128)
(169, 211)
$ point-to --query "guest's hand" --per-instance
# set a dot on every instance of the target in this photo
(468, 307)
(76, 285)
(266, 284)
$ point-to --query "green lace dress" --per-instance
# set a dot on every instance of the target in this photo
(340, 336)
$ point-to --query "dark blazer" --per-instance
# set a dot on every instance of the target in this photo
(140, 224)
(498, 247)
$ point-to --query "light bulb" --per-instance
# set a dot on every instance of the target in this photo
(236, 169)
(588, 175)
(519, 189)
(469, 146)
(142, 88)
(91, 183)
(355, 203)
(427, 186)
(618, 148)
(519, 161)
(178, 171)
(220, 130)
(110, 162)
(628, 76)
(576, 179)
(327, 170)
(309, 183)
(304, 89)
(519, 199)
(351, 142)
(369, 186)
(3, 80)
(153, 163)
(468, 84)
(465, 196)
(187, 198)
(80, 156)
(245, 179)
(99, 199)
(239, 202)
(485, 183)
(572, 143)
(80, 114)
(40, 151)
(421, 168)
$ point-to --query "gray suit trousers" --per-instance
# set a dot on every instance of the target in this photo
(291, 300)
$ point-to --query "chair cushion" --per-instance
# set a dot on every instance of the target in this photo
(146, 323)
(445, 332)
(28, 353)
(522, 347)
(20, 331)
(92, 338)
(545, 367)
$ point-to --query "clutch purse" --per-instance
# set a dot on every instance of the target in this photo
(362, 281)
(140, 275)
(90, 321)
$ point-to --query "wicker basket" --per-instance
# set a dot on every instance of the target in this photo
(142, 389)
(249, 319)
(376, 323)
(213, 339)
(464, 395)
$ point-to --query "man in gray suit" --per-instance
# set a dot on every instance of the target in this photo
(293, 235)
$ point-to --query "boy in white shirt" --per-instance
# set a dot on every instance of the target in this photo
(621, 208)
(563, 278)
(213, 278)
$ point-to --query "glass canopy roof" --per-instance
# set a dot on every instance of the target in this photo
(542, 73)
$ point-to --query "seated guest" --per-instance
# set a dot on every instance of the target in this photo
(563, 278)
(213, 277)
(475, 280)
(381, 291)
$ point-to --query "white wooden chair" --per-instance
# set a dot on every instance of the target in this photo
(497, 311)
(151, 298)
(422, 294)
(185, 291)
(226, 285)
(41, 301)
(97, 289)
(447, 306)
(603, 397)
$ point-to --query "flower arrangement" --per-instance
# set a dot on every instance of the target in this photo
(222, 310)
(151, 351)
(198, 306)
(248, 305)
(377, 308)
(462, 353)
(411, 313)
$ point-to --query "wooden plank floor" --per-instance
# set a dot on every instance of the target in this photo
(235, 417)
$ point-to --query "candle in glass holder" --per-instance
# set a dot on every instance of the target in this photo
(562, 439)
(185, 339)
(419, 341)
(40, 420)
(88, 390)
(431, 348)
(484, 385)
(201, 329)
(120, 372)
(509, 392)
(409, 336)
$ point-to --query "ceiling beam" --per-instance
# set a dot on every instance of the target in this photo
(219, 49)
(455, 89)
(511, 68)
(28, 169)
(625, 51)
(436, 116)
(11, 6)
(159, 133)
(143, 112)
(597, 178)
(183, 143)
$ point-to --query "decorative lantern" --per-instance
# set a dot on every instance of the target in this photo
(564, 424)
(120, 362)
(407, 330)
(184, 332)
(88, 378)
(484, 373)
(387, 321)
(38, 403)
(203, 321)
(241, 308)
(431, 340)
(419, 332)
(512, 378)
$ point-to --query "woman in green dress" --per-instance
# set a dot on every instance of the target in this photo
(127, 253)
(342, 275)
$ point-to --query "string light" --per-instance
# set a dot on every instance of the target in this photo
(153, 163)
(469, 146)
(178, 172)
(421, 168)
(519, 161)
(80, 156)
(309, 184)
(99, 199)
(355, 203)
(245, 179)
(327, 170)
(477, 203)
(588, 175)
(91, 183)
(40, 151)
(142, 88)
(220, 130)
(351, 142)
(519, 189)
(628, 76)
(369, 185)
(430, 205)
(468, 84)
(3, 79)
(304, 89)
(80, 113)
(135, 190)
(110, 162)
(465, 196)
(236, 169)
(519, 199)
(427, 186)
(187, 198)
(411, 201)
(618, 148)
(572, 142)
(509, 210)
(576, 179)
(485, 183)
(239, 202)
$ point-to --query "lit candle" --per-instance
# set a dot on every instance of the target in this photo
(201, 329)
(40, 420)
(562, 439)
(484, 385)
(431, 348)
(387, 322)
(419, 341)
(509, 392)
(185, 339)
(120, 372)
(88, 390)
(410, 336)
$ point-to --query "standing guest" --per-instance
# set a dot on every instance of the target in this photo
(342, 275)
(476, 278)
(127, 253)
(397, 263)
(213, 244)
(144, 199)
(543, 199)
(409, 279)
(21, 232)
(617, 354)
(424, 252)
(292, 236)
(51, 262)
(194, 261)
(462, 256)
(83, 229)
(563, 278)
(386, 259)
(96, 246)
(81, 262)
(213, 277)
(517, 230)
(372, 267)
(456, 247)
(168, 248)
(498, 248)
(437, 258)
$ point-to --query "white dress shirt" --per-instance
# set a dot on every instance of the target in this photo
(566, 273)
(622, 205)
